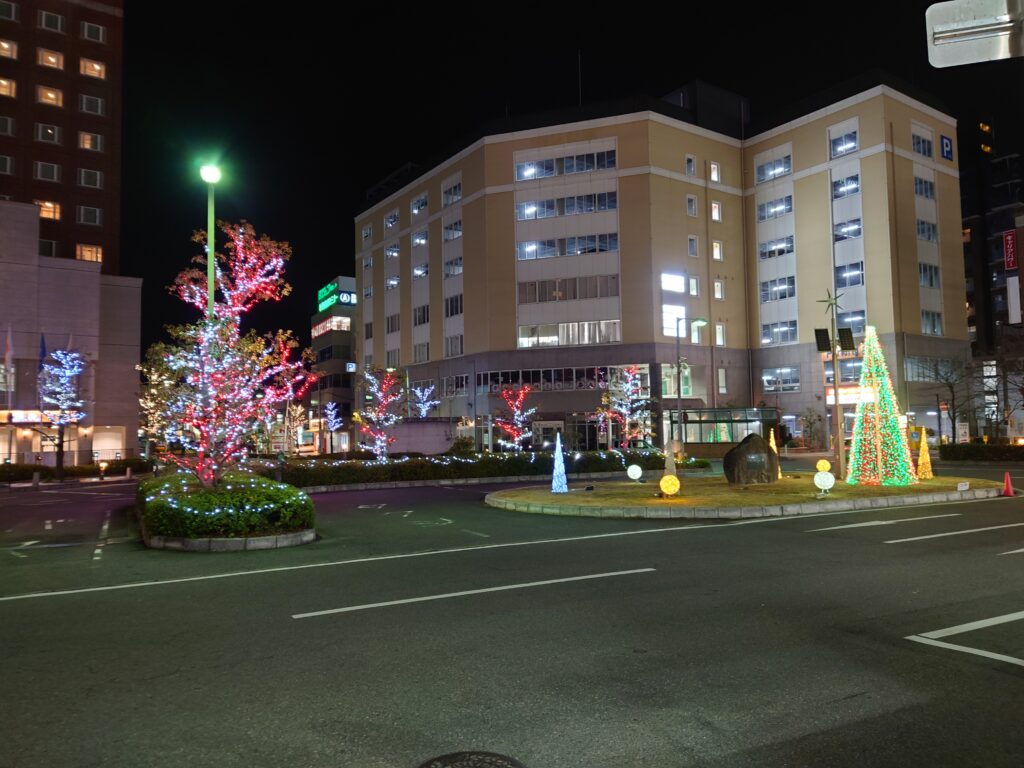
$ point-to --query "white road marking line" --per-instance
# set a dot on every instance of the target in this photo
(526, 585)
(973, 625)
(476, 533)
(1012, 552)
(870, 523)
(407, 513)
(954, 533)
(966, 649)
(371, 506)
(47, 525)
(455, 550)
(101, 540)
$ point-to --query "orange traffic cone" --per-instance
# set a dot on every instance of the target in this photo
(1007, 488)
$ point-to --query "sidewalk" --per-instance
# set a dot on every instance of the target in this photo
(46, 485)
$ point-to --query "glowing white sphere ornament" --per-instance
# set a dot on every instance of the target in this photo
(633, 472)
(824, 481)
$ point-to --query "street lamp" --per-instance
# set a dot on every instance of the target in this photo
(211, 175)
(680, 363)
(700, 322)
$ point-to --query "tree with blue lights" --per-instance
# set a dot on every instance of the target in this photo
(558, 483)
(59, 389)
(332, 421)
(423, 400)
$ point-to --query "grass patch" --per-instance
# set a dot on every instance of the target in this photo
(243, 505)
(794, 488)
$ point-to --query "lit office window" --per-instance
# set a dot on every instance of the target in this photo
(48, 58)
(90, 141)
(846, 186)
(51, 96)
(716, 250)
(846, 230)
(8, 49)
(849, 275)
(91, 68)
(391, 220)
(88, 252)
(48, 209)
(844, 144)
(418, 204)
(716, 210)
(773, 169)
(720, 337)
(8, 87)
(716, 172)
(719, 289)
(774, 209)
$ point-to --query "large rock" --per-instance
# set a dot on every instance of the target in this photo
(750, 462)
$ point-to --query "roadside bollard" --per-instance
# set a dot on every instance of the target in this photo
(35, 480)
(128, 474)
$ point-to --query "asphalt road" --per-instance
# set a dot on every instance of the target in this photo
(780, 642)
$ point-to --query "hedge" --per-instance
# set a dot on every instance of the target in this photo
(16, 473)
(315, 472)
(981, 452)
(244, 504)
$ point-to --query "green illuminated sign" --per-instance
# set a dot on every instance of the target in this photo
(326, 291)
(330, 301)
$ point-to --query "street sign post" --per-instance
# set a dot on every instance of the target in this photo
(971, 31)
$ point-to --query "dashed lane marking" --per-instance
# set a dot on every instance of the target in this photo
(954, 533)
(932, 638)
(871, 523)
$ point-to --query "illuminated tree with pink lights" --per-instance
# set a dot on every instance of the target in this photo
(517, 421)
(227, 382)
(627, 405)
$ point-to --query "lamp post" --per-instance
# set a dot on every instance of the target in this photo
(211, 175)
(700, 322)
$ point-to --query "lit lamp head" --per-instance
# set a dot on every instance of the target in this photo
(210, 174)
(698, 322)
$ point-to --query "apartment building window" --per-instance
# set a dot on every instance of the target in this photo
(846, 230)
(566, 246)
(691, 205)
(8, 11)
(393, 323)
(673, 316)
(926, 230)
(774, 209)
(539, 169)
(716, 210)
(778, 333)
(367, 291)
(786, 379)
(535, 209)
(924, 188)
(50, 134)
(852, 320)
(568, 289)
(773, 169)
(367, 232)
(846, 187)
(849, 371)
(390, 283)
(716, 172)
(90, 141)
(8, 49)
(90, 68)
(89, 178)
(453, 305)
(694, 286)
(45, 171)
(931, 322)
(778, 289)
(391, 220)
(420, 238)
(51, 96)
(587, 162)
(391, 252)
(570, 334)
(452, 231)
(48, 209)
(453, 267)
(455, 386)
(6, 126)
(93, 32)
(418, 204)
(367, 361)
(367, 330)
(51, 59)
(48, 248)
(421, 315)
(451, 195)
(51, 21)
(844, 144)
(921, 145)
(716, 250)
(392, 358)
(420, 270)
(719, 288)
(696, 334)
(453, 345)
(723, 388)
(691, 245)
(6, 165)
(928, 274)
(88, 252)
(775, 248)
(849, 275)
(691, 165)
(8, 87)
(421, 352)
(91, 105)
(367, 263)
(720, 334)
(90, 215)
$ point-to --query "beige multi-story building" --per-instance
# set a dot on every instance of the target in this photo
(556, 255)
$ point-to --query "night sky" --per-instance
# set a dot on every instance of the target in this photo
(305, 113)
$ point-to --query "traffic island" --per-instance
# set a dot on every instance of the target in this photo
(243, 512)
(714, 498)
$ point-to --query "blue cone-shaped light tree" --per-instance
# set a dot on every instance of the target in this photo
(558, 484)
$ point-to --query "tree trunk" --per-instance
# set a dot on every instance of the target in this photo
(60, 453)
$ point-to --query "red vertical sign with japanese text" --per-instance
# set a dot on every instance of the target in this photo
(1010, 249)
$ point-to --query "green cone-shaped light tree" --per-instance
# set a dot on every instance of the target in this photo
(880, 454)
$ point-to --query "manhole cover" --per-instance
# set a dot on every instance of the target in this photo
(472, 760)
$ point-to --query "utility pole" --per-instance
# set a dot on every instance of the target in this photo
(838, 433)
